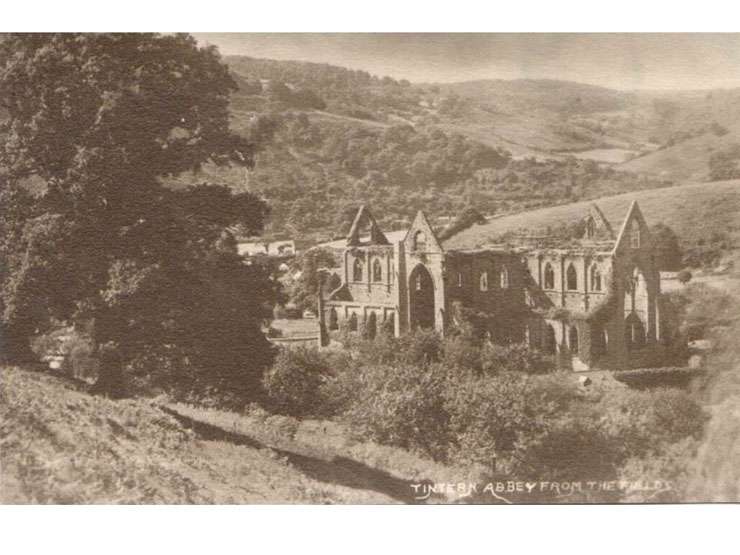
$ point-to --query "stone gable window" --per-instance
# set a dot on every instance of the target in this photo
(595, 278)
(549, 276)
(377, 271)
(571, 278)
(504, 278)
(420, 241)
(357, 270)
(635, 235)
(483, 281)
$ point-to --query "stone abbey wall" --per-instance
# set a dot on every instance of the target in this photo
(591, 303)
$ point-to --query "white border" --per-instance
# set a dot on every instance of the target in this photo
(369, 529)
(369, 16)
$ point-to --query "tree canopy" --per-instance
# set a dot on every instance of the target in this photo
(101, 120)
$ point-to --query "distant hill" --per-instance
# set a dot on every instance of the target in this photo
(698, 213)
(343, 137)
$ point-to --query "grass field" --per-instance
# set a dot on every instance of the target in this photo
(695, 210)
(687, 160)
(59, 444)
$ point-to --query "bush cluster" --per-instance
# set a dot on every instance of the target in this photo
(501, 409)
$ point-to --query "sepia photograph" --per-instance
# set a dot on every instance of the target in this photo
(369, 268)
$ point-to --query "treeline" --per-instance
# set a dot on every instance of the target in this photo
(343, 91)
(314, 172)
(315, 169)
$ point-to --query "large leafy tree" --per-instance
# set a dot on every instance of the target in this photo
(98, 123)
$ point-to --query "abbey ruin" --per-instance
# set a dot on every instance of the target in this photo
(591, 302)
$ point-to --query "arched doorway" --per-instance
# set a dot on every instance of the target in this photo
(634, 332)
(421, 298)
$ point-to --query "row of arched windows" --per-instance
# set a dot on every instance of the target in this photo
(571, 278)
(503, 278)
(371, 322)
(634, 334)
(358, 268)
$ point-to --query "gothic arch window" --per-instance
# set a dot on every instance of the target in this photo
(571, 278)
(635, 235)
(634, 332)
(504, 278)
(371, 326)
(357, 270)
(549, 276)
(595, 278)
(353, 322)
(573, 339)
(377, 270)
(528, 298)
(333, 320)
(483, 281)
(459, 279)
(420, 241)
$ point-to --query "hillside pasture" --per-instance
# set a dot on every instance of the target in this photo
(692, 211)
(61, 445)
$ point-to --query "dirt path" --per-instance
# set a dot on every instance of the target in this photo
(329, 469)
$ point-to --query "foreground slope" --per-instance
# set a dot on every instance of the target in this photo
(59, 444)
(693, 211)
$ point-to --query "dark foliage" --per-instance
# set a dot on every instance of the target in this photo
(647, 378)
(100, 119)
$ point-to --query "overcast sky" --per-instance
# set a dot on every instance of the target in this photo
(622, 61)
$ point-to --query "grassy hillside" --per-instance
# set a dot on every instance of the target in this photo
(341, 138)
(687, 160)
(693, 211)
(61, 445)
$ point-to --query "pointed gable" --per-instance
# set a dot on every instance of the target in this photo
(634, 233)
(363, 219)
(420, 236)
(597, 226)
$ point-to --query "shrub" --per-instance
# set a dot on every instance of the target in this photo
(643, 422)
(402, 405)
(674, 464)
(515, 358)
(460, 356)
(419, 347)
(525, 427)
(486, 417)
(684, 276)
(293, 382)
